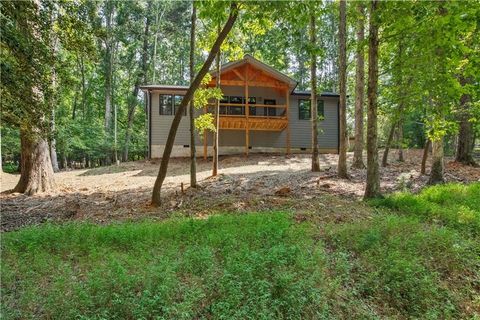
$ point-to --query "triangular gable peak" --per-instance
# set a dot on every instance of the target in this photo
(255, 73)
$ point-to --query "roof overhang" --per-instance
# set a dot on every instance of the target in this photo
(248, 59)
(153, 87)
(322, 94)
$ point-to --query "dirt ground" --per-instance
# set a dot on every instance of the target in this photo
(259, 182)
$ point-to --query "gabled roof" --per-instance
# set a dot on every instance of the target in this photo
(260, 65)
(256, 63)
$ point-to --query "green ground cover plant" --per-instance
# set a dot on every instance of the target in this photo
(454, 205)
(412, 258)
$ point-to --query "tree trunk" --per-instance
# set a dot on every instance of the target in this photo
(437, 170)
(130, 117)
(53, 149)
(216, 116)
(142, 76)
(1, 160)
(154, 59)
(84, 90)
(108, 90)
(74, 107)
(193, 151)
(426, 148)
(313, 101)
(359, 90)
(108, 61)
(372, 188)
(52, 98)
(36, 172)
(464, 146)
(343, 136)
(400, 140)
(388, 144)
(63, 161)
(156, 195)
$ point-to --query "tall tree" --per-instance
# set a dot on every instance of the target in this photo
(313, 85)
(142, 76)
(191, 111)
(216, 115)
(372, 188)
(109, 12)
(465, 144)
(438, 168)
(397, 116)
(389, 142)
(400, 139)
(343, 136)
(426, 149)
(162, 173)
(26, 75)
(359, 89)
(53, 91)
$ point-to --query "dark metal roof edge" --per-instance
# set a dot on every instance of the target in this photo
(150, 87)
(323, 94)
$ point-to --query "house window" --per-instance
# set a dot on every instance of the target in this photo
(236, 110)
(304, 112)
(252, 110)
(165, 104)
(270, 112)
(304, 109)
(320, 110)
(177, 100)
(224, 109)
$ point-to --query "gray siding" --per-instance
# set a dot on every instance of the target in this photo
(300, 130)
(161, 123)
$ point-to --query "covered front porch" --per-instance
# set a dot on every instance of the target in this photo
(250, 112)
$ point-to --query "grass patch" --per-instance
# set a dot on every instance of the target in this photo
(421, 258)
(264, 266)
(454, 205)
(409, 269)
(415, 259)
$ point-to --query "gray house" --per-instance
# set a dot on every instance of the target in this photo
(260, 112)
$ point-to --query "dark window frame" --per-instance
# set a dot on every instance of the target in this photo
(320, 109)
(306, 114)
(233, 110)
(321, 106)
(162, 105)
(269, 112)
(224, 109)
(251, 110)
(175, 105)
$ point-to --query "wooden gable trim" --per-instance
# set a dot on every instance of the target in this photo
(262, 78)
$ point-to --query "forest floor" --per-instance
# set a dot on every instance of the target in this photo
(257, 183)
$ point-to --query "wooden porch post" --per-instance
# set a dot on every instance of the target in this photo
(287, 103)
(247, 112)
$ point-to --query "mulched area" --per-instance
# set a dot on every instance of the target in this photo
(259, 183)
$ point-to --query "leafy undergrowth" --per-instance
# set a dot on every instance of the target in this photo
(256, 265)
(422, 258)
(453, 205)
(400, 263)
